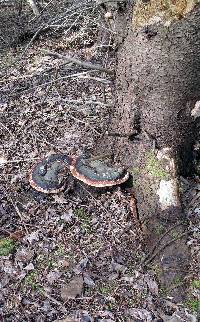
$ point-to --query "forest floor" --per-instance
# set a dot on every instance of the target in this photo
(78, 255)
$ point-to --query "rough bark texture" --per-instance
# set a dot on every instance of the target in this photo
(158, 83)
(157, 86)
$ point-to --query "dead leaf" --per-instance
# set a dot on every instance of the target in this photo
(141, 314)
(24, 255)
(17, 235)
(53, 276)
(73, 289)
(29, 267)
(152, 285)
(81, 266)
(88, 280)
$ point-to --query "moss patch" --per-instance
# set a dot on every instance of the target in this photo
(135, 171)
(193, 305)
(84, 219)
(196, 284)
(6, 247)
(31, 281)
(178, 280)
(159, 230)
(154, 167)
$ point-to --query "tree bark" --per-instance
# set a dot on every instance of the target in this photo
(157, 90)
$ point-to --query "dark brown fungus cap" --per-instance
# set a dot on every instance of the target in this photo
(48, 175)
(96, 173)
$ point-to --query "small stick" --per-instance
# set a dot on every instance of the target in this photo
(21, 160)
(160, 239)
(19, 213)
(31, 41)
(1, 124)
(98, 79)
(87, 102)
(78, 62)
(53, 300)
(164, 246)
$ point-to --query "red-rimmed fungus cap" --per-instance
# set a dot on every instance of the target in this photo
(96, 173)
(49, 174)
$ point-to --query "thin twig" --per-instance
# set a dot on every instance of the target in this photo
(160, 239)
(86, 102)
(36, 17)
(98, 79)
(101, 157)
(163, 247)
(54, 301)
(31, 41)
(21, 160)
(83, 122)
(78, 62)
(18, 212)
(1, 124)
(53, 81)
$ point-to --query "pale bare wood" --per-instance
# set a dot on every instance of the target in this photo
(34, 7)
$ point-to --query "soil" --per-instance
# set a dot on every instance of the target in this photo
(80, 255)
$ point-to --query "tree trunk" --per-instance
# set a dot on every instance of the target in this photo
(157, 93)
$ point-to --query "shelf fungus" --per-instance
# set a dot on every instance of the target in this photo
(49, 174)
(97, 173)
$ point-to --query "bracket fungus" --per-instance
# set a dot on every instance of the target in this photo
(96, 173)
(48, 175)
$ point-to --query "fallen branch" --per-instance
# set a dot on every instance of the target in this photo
(78, 62)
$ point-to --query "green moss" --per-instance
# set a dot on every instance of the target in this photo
(135, 171)
(105, 290)
(193, 305)
(178, 280)
(60, 251)
(174, 234)
(131, 302)
(164, 291)
(80, 213)
(31, 281)
(154, 167)
(196, 284)
(155, 269)
(84, 220)
(6, 246)
(159, 230)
